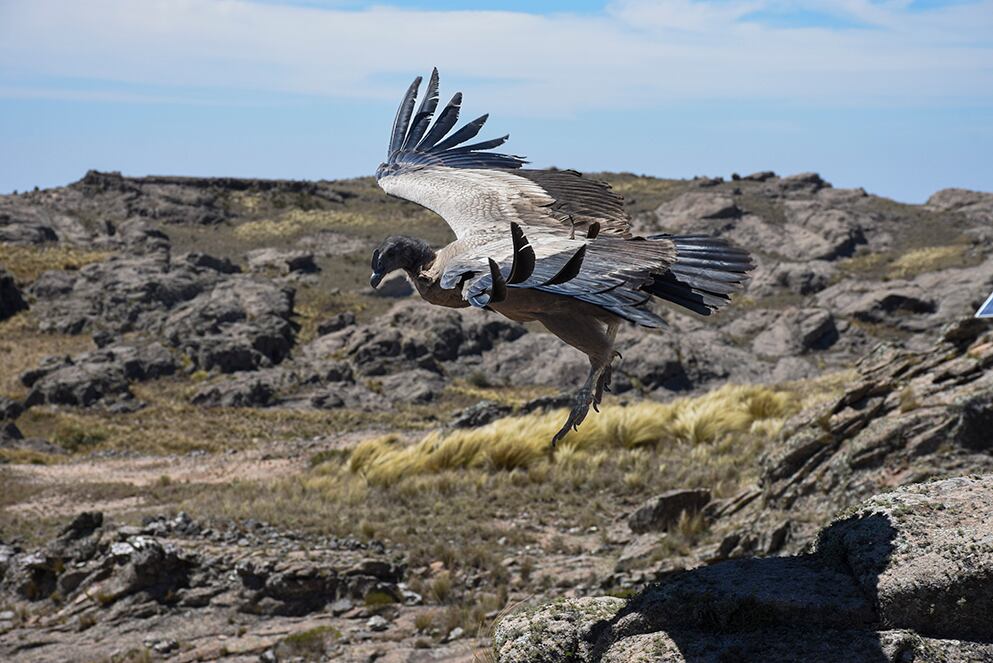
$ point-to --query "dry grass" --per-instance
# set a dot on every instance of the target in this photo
(27, 263)
(512, 443)
(296, 222)
(927, 259)
(895, 265)
(22, 347)
(419, 495)
(171, 424)
(864, 263)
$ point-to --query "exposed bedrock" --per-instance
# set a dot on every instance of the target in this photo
(907, 574)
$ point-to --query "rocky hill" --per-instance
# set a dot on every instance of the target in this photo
(209, 346)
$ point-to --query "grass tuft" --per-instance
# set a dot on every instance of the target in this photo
(927, 259)
(521, 442)
(27, 263)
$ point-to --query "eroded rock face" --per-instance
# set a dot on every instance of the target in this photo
(101, 376)
(909, 573)
(666, 509)
(240, 324)
(975, 204)
(123, 293)
(935, 573)
(901, 409)
(103, 575)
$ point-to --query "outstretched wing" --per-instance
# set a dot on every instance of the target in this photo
(607, 271)
(479, 192)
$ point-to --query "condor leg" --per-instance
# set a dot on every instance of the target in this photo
(596, 340)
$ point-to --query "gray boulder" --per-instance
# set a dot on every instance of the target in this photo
(909, 573)
(976, 205)
(555, 632)
(796, 331)
(414, 386)
(241, 390)
(283, 262)
(801, 278)
(123, 293)
(697, 212)
(925, 555)
(663, 511)
(10, 409)
(239, 324)
(888, 302)
(99, 376)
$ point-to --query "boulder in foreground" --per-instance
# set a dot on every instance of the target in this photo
(906, 576)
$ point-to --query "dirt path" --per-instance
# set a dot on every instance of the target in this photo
(53, 490)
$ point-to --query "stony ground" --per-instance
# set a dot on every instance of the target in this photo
(191, 366)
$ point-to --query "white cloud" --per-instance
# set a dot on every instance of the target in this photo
(638, 53)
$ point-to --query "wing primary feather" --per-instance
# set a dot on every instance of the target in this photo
(462, 135)
(402, 119)
(482, 145)
(523, 265)
(424, 113)
(570, 269)
(446, 120)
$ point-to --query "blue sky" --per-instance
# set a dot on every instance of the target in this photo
(892, 95)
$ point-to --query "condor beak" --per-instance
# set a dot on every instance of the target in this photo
(375, 280)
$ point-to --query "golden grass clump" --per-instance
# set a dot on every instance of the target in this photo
(297, 222)
(512, 443)
(927, 259)
(23, 346)
(862, 264)
(27, 263)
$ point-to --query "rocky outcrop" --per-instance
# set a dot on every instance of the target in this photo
(806, 309)
(907, 416)
(666, 509)
(101, 376)
(97, 575)
(240, 324)
(908, 574)
(11, 300)
(282, 262)
(977, 205)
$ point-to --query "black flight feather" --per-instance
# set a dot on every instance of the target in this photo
(414, 144)
(523, 265)
(462, 135)
(446, 120)
(570, 269)
(402, 119)
(424, 113)
(498, 289)
(481, 145)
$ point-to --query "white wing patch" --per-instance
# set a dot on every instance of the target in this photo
(472, 201)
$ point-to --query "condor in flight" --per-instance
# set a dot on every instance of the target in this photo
(538, 245)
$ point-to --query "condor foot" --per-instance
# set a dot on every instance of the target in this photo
(580, 408)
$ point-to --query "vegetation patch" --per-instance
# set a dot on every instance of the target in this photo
(927, 259)
(512, 443)
(27, 263)
(308, 644)
(23, 346)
